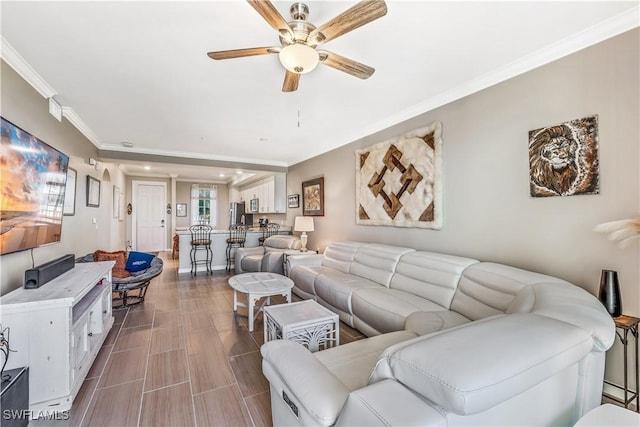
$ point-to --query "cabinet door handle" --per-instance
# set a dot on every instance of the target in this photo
(90, 334)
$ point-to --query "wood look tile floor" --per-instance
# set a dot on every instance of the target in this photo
(182, 358)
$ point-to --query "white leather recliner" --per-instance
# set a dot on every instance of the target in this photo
(269, 257)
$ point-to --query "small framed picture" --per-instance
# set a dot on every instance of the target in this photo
(293, 200)
(181, 209)
(93, 192)
(70, 193)
(313, 197)
(253, 205)
(116, 201)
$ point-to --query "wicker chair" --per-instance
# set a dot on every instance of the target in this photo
(138, 281)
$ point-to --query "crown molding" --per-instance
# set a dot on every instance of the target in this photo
(73, 118)
(25, 70)
(602, 31)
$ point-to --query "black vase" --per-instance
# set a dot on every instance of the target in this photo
(610, 292)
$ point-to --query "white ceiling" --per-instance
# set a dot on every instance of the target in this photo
(138, 71)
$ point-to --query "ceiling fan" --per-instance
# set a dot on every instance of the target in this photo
(299, 39)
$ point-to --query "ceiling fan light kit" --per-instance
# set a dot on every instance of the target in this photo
(299, 58)
(299, 39)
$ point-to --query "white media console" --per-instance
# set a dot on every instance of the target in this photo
(57, 331)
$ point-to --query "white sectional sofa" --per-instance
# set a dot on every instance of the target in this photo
(452, 341)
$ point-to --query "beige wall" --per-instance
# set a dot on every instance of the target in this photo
(488, 213)
(25, 107)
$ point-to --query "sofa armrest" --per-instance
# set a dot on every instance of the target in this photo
(309, 260)
(243, 252)
(488, 361)
(316, 394)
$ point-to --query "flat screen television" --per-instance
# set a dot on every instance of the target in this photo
(33, 176)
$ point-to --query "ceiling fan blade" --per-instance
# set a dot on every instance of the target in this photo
(239, 53)
(269, 13)
(357, 16)
(290, 82)
(346, 65)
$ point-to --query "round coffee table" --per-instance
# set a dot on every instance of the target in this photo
(256, 286)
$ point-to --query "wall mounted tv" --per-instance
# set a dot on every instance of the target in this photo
(33, 176)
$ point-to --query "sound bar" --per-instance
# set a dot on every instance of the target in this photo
(36, 277)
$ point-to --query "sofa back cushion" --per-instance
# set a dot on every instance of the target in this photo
(430, 275)
(282, 243)
(339, 255)
(377, 262)
(487, 289)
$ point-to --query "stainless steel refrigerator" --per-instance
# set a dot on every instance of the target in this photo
(236, 213)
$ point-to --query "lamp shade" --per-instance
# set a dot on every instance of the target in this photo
(609, 293)
(303, 223)
(299, 58)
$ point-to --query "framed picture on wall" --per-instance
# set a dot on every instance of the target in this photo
(93, 192)
(116, 201)
(293, 200)
(181, 209)
(70, 193)
(121, 206)
(313, 197)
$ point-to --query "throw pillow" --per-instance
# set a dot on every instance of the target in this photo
(119, 257)
(138, 261)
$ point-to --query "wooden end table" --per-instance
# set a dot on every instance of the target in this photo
(624, 326)
(256, 286)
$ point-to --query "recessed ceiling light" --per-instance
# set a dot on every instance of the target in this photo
(147, 168)
(221, 174)
(238, 171)
(127, 144)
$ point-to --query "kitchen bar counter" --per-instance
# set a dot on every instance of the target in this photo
(218, 246)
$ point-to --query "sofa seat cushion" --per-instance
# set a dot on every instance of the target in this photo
(385, 309)
(336, 288)
(353, 363)
(427, 322)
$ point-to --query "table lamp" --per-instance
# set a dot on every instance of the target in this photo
(303, 224)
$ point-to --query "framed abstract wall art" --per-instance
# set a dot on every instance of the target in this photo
(563, 159)
(399, 181)
(313, 197)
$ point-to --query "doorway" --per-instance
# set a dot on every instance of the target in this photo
(148, 228)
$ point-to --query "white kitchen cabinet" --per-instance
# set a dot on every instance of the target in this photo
(57, 330)
(270, 192)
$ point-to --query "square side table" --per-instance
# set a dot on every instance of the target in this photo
(306, 322)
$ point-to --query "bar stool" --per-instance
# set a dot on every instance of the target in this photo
(269, 230)
(200, 241)
(236, 239)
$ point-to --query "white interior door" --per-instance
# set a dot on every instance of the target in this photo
(150, 218)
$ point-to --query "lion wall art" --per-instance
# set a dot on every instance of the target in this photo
(398, 181)
(563, 159)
